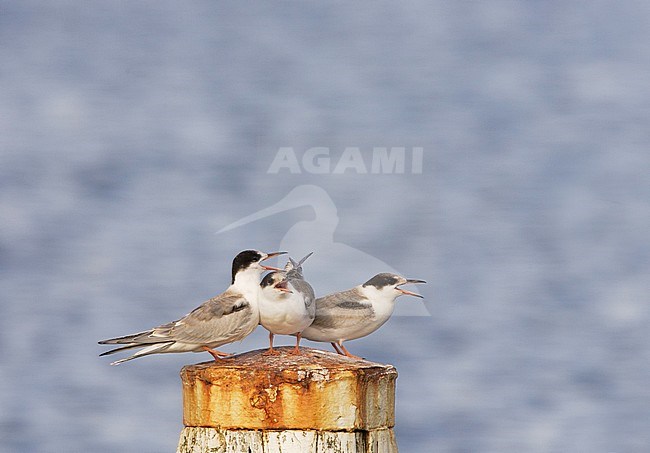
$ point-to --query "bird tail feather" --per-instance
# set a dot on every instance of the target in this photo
(151, 349)
(126, 339)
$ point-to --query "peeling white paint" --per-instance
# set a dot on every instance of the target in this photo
(213, 440)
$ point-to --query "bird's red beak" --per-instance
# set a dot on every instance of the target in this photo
(282, 286)
(271, 255)
(409, 293)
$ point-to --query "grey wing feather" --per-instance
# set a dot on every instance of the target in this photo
(348, 299)
(123, 348)
(216, 320)
(304, 288)
(293, 269)
(147, 350)
(211, 321)
(293, 272)
(308, 295)
(342, 309)
(138, 339)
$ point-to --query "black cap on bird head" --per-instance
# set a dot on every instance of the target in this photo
(275, 280)
(382, 280)
(270, 279)
(244, 259)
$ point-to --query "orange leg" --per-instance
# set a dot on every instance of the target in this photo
(271, 351)
(296, 350)
(216, 354)
(347, 353)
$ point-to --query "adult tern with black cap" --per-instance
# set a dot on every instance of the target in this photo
(228, 317)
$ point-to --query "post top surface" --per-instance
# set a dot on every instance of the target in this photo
(285, 360)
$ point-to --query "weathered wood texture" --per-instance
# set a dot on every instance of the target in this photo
(313, 402)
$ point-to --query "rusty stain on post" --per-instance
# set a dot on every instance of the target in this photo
(316, 397)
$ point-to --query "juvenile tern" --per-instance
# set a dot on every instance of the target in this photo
(228, 317)
(286, 302)
(319, 233)
(356, 312)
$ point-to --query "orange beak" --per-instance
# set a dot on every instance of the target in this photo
(271, 255)
(409, 293)
(282, 286)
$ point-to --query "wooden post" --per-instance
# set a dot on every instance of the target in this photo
(314, 402)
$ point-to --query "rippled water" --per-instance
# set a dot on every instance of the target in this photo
(131, 133)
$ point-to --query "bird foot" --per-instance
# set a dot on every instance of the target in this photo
(218, 355)
(271, 352)
(347, 353)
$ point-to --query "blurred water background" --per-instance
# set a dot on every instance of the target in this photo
(131, 132)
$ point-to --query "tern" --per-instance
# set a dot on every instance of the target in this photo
(226, 318)
(286, 303)
(356, 312)
(317, 232)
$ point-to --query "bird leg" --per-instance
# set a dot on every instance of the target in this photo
(216, 354)
(347, 353)
(271, 351)
(296, 349)
(336, 348)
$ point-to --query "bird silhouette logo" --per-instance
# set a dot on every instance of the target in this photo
(339, 266)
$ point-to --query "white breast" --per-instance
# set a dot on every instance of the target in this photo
(283, 313)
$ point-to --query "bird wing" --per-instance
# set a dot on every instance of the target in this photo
(293, 269)
(343, 309)
(218, 320)
(305, 289)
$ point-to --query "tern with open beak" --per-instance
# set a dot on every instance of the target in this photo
(356, 312)
(286, 303)
(226, 318)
